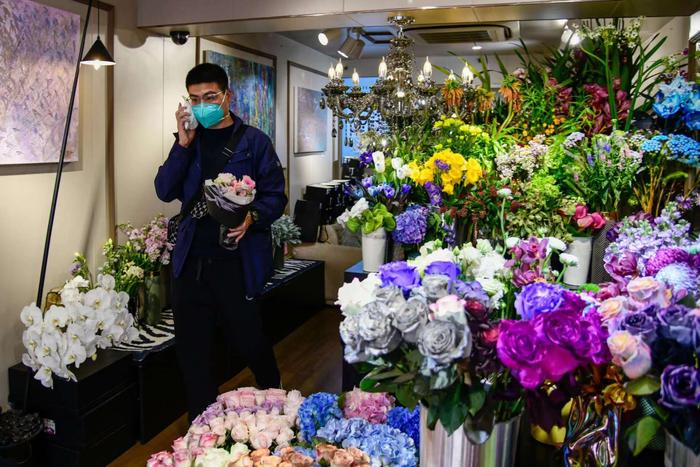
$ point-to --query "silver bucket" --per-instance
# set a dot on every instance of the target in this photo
(677, 454)
(439, 449)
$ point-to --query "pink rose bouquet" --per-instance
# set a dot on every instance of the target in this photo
(370, 406)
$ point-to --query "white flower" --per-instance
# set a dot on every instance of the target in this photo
(423, 262)
(224, 179)
(134, 271)
(56, 317)
(403, 172)
(30, 361)
(76, 354)
(122, 300)
(343, 218)
(484, 246)
(494, 288)
(99, 299)
(568, 259)
(106, 281)
(45, 375)
(379, 162)
(397, 163)
(429, 247)
(352, 296)
(556, 244)
(31, 340)
(78, 282)
(489, 266)
(359, 207)
(505, 193)
(31, 316)
(71, 295)
(470, 255)
(449, 308)
(511, 242)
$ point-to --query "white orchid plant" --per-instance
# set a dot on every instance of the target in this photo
(88, 319)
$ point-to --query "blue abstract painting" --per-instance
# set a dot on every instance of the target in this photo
(38, 51)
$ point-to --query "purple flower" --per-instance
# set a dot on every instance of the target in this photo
(680, 277)
(520, 349)
(399, 274)
(530, 251)
(572, 302)
(620, 267)
(74, 268)
(582, 336)
(444, 268)
(471, 291)
(405, 189)
(677, 322)
(523, 276)
(680, 387)
(663, 258)
(388, 190)
(434, 193)
(367, 182)
(640, 323)
(538, 298)
(441, 165)
(365, 158)
(411, 225)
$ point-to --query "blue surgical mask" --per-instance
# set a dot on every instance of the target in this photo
(208, 114)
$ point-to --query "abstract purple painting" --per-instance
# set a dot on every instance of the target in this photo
(38, 52)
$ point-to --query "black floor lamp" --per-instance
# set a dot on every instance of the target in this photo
(97, 56)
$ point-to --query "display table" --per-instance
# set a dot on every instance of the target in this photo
(134, 391)
(355, 271)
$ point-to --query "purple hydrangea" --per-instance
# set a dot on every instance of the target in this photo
(664, 257)
(411, 226)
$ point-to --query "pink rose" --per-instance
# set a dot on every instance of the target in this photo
(598, 221)
(611, 308)
(179, 444)
(261, 440)
(160, 459)
(182, 458)
(581, 211)
(630, 353)
(239, 432)
(193, 440)
(247, 400)
(194, 452)
(208, 440)
(645, 291)
(199, 429)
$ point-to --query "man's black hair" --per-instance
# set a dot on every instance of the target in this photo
(207, 73)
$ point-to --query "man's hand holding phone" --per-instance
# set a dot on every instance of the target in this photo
(185, 126)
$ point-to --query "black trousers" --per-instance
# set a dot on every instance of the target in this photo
(209, 297)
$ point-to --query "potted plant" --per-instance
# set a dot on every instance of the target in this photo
(284, 232)
(582, 224)
(374, 222)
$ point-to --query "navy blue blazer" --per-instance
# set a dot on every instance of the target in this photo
(180, 178)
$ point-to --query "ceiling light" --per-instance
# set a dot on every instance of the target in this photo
(329, 35)
(352, 47)
(476, 47)
(98, 55)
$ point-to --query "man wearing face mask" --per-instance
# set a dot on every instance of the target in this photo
(214, 287)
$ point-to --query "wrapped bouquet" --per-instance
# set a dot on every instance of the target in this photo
(228, 202)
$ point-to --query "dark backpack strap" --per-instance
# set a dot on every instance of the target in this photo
(226, 154)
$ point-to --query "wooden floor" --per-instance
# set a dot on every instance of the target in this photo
(309, 360)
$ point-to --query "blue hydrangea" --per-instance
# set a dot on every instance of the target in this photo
(315, 412)
(386, 446)
(679, 276)
(411, 225)
(651, 145)
(407, 421)
(684, 149)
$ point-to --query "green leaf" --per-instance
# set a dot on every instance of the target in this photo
(406, 396)
(453, 411)
(674, 176)
(476, 397)
(643, 386)
(386, 374)
(644, 431)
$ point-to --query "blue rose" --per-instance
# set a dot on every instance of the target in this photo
(444, 268)
(538, 298)
(399, 274)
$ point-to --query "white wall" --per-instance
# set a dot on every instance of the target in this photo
(81, 217)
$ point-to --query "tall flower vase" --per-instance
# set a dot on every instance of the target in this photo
(581, 248)
(154, 298)
(373, 250)
(678, 454)
(278, 256)
(600, 244)
(437, 448)
(591, 436)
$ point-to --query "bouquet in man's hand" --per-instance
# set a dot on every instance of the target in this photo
(228, 202)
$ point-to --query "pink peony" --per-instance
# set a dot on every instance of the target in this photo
(208, 440)
(179, 444)
(372, 407)
(160, 459)
(182, 458)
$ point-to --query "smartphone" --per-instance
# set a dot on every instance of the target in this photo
(191, 123)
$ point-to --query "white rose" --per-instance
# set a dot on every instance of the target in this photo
(379, 162)
(442, 254)
(352, 296)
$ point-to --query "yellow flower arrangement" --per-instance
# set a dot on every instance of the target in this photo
(450, 169)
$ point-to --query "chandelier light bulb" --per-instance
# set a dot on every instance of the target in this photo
(400, 93)
(421, 78)
(331, 72)
(382, 69)
(467, 75)
(355, 78)
(339, 69)
(427, 69)
(451, 76)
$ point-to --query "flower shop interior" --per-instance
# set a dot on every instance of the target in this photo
(464, 232)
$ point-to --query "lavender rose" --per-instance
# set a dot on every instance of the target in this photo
(443, 268)
(399, 274)
(622, 266)
(538, 298)
(677, 323)
(639, 323)
(411, 318)
(442, 343)
(680, 387)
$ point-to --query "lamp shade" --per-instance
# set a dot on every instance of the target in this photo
(98, 55)
(329, 35)
(346, 49)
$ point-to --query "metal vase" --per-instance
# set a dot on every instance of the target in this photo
(678, 454)
(439, 449)
(592, 434)
(600, 244)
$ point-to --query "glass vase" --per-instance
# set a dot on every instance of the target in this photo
(154, 299)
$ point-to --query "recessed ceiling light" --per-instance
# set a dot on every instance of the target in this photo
(428, 7)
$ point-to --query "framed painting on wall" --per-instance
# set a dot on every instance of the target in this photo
(38, 51)
(310, 122)
(253, 89)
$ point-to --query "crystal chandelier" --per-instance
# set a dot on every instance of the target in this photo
(395, 99)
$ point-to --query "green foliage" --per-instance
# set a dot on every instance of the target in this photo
(373, 219)
(284, 230)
